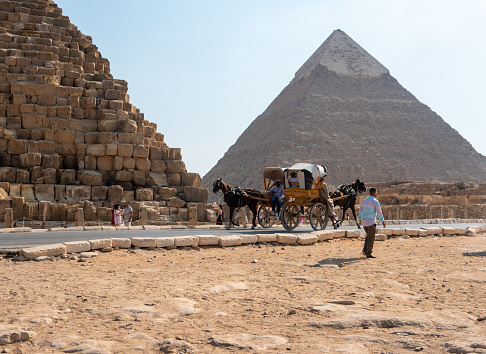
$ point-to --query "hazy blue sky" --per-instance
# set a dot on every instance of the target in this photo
(204, 70)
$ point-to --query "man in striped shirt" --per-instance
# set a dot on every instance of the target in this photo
(368, 211)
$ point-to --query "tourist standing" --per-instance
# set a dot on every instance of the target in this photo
(127, 214)
(220, 219)
(369, 210)
(117, 215)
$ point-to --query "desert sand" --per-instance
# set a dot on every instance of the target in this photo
(419, 294)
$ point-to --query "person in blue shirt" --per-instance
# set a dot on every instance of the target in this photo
(278, 196)
(369, 210)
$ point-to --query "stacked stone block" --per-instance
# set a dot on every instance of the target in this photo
(67, 129)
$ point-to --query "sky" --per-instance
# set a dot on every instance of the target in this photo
(204, 70)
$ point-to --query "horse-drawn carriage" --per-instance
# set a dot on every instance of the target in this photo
(310, 197)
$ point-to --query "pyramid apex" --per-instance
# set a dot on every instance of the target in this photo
(341, 54)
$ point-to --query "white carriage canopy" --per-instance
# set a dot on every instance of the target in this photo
(311, 173)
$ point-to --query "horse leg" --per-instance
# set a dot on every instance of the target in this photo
(253, 207)
(232, 210)
(352, 207)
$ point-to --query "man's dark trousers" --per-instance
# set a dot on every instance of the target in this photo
(370, 239)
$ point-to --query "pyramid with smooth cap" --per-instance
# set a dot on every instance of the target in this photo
(68, 132)
(344, 110)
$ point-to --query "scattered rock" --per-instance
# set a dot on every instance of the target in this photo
(14, 336)
(174, 346)
(88, 254)
(246, 341)
(228, 287)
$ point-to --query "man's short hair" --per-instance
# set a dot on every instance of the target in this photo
(372, 190)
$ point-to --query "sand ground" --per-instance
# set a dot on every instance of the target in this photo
(419, 294)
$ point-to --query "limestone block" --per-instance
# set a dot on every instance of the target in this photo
(471, 232)
(115, 193)
(99, 244)
(27, 191)
(128, 196)
(144, 194)
(175, 167)
(433, 230)
(165, 242)
(44, 192)
(47, 250)
(128, 126)
(208, 240)
(171, 154)
(157, 179)
(286, 238)
(99, 192)
(267, 237)
(108, 125)
(91, 178)
(247, 239)
(30, 159)
(386, 231)
(447, 231)
(64, 137)
(77, 246)
(111, 149)
(51, 161)
(380, 237)
(32, 121)
(191, 179)
(121, 242)
(460, 231)
(228, 241)
(49, 175)
(176, 202)
(410, 232)
(136, 138)
(195, 194)
(139, 178)
(14, 191)
(174, 179)
(128, 163)
(397, 232)
(23, 176)
(104, 163)
(7, 174)
(67, 176)
(353, 233)
(142, 164)
(147, 242)
(306, 239)
(125, 150)
(155, 153)
(123, 176)
(96, 150)
(166, 192)
(117, 163)
(186, 241)
(422, 233)
(112, 94)
(157, 166)
(141, 151)
(77, 193)
(17, 146)
(324, 235)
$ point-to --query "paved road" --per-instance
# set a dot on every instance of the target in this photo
(26, 239)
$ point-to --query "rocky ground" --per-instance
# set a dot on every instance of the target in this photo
(419, 294)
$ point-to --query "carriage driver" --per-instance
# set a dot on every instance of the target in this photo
(324, 198)
(278, 197)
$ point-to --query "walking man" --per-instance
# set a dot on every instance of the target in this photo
(127, 214)
(368, 211)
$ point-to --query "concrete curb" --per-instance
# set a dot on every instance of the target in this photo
(237, 240)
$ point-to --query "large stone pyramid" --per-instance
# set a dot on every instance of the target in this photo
(68, 132)
(344, 110)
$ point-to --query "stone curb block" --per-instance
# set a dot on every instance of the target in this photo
(397, 232)
(422, 233)
(229, 241)
(433, 230)
(165, 242)
(339, 233)
(48, 250)
(145, 242)
(93, 228)
(286, 238)
(137, 227)
(386, 231)
(75, 228)
(150, 227)
(162, 228)
(266, 238)
(186, 241)
(353, 233)
(121, 242)
(57, 229)
(308, 239)
(22, 229)
(122, 227)
(411, 232)
(461, 231)
(247, 239)
(77, 246)
(380, 237)
(178, 227)
(208, 240)
(99, 244)
(448, 231)
(324, 235)
(108, 228)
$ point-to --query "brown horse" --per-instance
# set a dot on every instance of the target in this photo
(349, 192)
(237, 198)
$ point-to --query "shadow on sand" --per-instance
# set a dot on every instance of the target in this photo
(340, 262)
(475, 254)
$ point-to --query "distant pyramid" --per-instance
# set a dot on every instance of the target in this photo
(344, 110)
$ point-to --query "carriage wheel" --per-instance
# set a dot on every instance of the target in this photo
(265, 217)
(318, 216)
(290, 216)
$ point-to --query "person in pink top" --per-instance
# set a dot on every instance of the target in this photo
(369, 210)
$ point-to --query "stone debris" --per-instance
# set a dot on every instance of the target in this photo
(13, 336)
(88, 254)
(228, 287)
(175, 346)
(245, 341)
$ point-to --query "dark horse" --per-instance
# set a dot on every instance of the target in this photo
(349, 196)
(237, 198)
